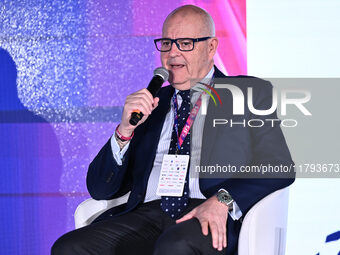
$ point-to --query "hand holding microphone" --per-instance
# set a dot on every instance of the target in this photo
(160, 76)
(139, 105)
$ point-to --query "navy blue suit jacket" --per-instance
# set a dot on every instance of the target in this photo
(237, 146)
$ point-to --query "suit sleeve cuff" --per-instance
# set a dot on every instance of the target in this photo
(118, 154)
(235, 213)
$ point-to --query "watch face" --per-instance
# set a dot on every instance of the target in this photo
(224, 197)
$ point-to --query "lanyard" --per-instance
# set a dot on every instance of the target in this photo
(189, 121)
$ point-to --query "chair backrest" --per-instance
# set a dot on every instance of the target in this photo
(263, 230)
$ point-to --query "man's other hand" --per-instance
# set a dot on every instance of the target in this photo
(212, 214)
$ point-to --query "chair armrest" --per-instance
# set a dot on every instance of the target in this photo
(90, 209)
(263, 230)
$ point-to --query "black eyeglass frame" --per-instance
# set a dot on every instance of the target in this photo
(178, 47)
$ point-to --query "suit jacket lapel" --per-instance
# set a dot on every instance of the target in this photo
(209, 133)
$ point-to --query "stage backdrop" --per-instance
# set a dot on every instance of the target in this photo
(65, 70)
(300, 39)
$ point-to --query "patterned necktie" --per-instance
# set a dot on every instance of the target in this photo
(174, 206)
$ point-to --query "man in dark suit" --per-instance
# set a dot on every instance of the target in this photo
(206, 217)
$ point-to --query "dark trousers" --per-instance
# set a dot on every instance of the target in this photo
(145, 230)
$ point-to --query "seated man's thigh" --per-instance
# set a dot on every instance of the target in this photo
(132, 233)
(187, 238)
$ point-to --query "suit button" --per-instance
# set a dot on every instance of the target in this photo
(109, 178)
(139, 196)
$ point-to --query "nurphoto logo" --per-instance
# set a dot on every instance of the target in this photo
(238, 104)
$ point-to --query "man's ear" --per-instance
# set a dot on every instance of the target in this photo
(213, 43)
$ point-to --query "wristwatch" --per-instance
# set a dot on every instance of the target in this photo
(225, 198)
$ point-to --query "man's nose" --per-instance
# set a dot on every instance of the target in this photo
(174, 50)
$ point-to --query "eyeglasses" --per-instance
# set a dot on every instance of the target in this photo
(183, 44)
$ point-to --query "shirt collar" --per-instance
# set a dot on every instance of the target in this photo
(205, 80)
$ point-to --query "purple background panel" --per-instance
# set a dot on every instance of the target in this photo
(66, 68)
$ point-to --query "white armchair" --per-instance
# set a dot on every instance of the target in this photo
(263, 230)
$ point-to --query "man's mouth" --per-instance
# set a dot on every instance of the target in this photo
(176, 66)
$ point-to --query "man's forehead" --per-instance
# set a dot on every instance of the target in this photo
(186, 26)
(181, 30)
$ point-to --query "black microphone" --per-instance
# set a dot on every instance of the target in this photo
(160, 75)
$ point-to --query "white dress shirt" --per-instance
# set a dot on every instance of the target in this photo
(163, 148)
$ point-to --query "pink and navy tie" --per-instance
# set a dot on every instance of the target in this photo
(174, 206)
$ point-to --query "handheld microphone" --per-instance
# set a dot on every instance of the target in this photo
(160, 76)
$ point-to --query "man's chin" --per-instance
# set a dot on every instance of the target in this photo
(181, 85)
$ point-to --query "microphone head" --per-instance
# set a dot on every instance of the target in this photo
(162, 72)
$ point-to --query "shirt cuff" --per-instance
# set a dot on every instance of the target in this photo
(118, 154)
(235, 213)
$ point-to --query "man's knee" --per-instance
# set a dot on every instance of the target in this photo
(165, 247)
(71, 243)
(172, 243)
(62, 246)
